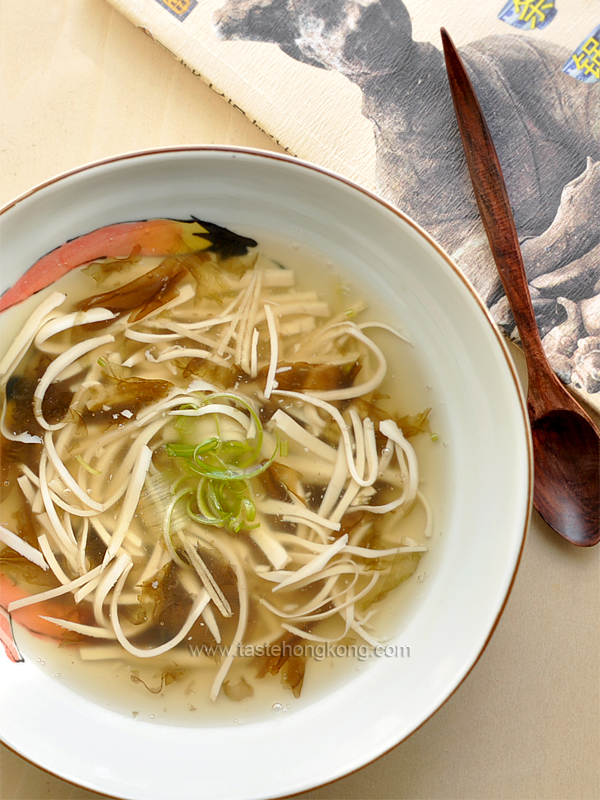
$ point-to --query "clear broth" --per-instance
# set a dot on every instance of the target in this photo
(134, 687)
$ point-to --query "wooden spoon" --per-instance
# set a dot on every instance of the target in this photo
(566, 443)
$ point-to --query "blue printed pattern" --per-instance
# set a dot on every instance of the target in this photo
(584, 64)
(528, 14)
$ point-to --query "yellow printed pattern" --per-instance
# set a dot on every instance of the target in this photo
(179, 8)
(533, 11)
(589, 59)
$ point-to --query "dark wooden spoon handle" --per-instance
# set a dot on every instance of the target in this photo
(494, 206)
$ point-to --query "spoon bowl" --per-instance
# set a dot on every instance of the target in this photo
(567, 474)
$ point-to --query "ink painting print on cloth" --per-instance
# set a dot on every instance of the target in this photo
(545, 120)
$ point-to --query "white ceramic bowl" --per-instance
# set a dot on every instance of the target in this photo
(480, 520)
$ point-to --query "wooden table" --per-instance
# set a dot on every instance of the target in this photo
(81, 83)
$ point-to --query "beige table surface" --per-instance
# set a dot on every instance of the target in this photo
(80, 83)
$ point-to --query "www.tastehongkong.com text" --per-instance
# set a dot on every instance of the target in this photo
(319, 651)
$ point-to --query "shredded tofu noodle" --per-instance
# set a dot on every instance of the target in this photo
(213, 465)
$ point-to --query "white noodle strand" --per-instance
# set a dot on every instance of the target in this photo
(15, 542)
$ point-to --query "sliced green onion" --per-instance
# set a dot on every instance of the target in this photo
(167, 533)
(217, 523)
(249, 509)
(242, 402)
(87, 466)
(183, 423)
(218, 473)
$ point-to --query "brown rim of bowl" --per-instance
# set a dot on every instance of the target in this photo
(500, 339)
